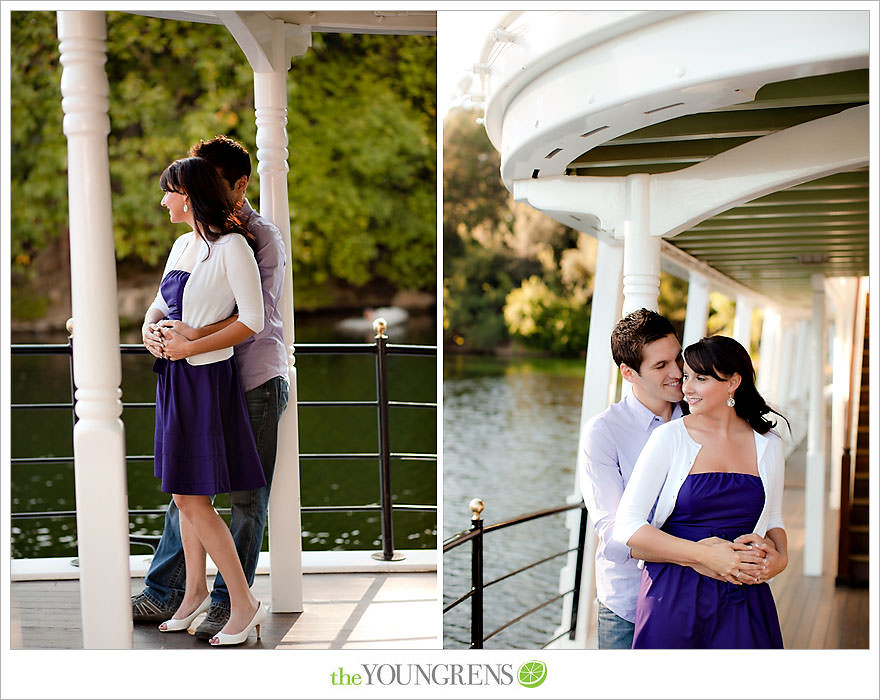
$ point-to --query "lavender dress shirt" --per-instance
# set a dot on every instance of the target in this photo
(262, 357)
(614, 440)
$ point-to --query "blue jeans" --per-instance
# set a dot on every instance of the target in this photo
(613, 631)
(166, 578)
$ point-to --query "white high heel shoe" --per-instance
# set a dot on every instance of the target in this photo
(223, 639)
(175, 625)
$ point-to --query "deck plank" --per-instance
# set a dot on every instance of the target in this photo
(813, 612)
(341, 611)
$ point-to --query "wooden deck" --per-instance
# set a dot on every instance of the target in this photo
(341, 611)
(401, 610)
(813, 612)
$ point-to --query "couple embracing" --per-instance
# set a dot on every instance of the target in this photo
(683, 480)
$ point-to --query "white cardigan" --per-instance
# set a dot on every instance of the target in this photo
(228, 278)
(664, 464)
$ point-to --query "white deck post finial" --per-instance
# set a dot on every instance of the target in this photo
(98, 436)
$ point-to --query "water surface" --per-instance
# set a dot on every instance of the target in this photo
(510, 438)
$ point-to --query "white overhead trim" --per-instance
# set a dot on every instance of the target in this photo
(542, 99)
(422, 22)
(833, 144)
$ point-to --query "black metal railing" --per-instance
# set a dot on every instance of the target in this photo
(476, 534)
(381, 349)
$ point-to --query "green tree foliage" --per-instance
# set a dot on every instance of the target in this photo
(363, 138)
(361, 127)
(507, 268)
(545, 320)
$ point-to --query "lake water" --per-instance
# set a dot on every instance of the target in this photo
(510, 432)
(49, 487)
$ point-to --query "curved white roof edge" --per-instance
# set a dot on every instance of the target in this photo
(560, 83)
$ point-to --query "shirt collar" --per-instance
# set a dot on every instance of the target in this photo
(645, 415)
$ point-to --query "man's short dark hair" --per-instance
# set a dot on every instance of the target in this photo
(633, 332)
(225, 154)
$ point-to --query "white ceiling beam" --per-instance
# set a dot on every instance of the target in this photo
(684, 198)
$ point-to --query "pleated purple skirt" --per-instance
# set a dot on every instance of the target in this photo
(678, 608)
(204, 443)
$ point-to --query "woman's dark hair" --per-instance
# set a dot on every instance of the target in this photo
(213, 213)
(721, 357)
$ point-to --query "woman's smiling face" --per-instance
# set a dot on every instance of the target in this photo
(174, 202)
(703, 392)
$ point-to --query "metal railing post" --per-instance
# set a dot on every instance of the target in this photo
(476, 506)
(578, 572)
(387, 553)
(69, 327)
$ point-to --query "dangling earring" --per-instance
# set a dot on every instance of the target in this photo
(185, 209)
(731, 401)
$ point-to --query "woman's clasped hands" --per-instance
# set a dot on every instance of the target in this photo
(168, 339)
(742, 561)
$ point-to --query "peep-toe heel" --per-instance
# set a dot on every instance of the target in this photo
(224, 639)
(174, 625)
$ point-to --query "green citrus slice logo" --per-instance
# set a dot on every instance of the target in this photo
(531, 674)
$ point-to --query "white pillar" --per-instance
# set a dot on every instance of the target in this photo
(641, 252)
(787, 369)
(285, 527)
(770, 343)
(742, 321)
(598, 375)
(697, 314)
(814, 496)
(844, 298)
(98, 436)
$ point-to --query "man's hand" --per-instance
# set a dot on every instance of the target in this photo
(735, 562)
(186, 331)
(152, 338)
(175, 345)
(774, 560)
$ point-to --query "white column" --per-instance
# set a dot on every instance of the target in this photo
(844, 299)
(641, 252)
(786, 370)
(98, 436)
(598, 375)
(769, 362)
(285, 527)
(697, 314)
(742, 321)
(814, 496)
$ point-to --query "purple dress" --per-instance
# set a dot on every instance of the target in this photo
(204, 443)
(678, 608)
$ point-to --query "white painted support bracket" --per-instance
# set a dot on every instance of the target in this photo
(258, 36)
(99, 435)
(594, 205)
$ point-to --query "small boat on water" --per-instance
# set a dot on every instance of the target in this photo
(393, 315)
